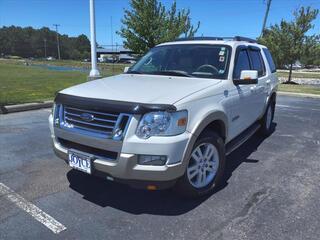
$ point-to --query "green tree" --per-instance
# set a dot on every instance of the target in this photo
(311, 51)
(287, 40)
(149, 23)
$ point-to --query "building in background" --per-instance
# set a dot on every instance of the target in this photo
(115, 54)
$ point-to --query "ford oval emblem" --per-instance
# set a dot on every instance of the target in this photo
(87, 117)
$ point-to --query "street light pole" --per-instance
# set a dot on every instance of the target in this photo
(265, 17)
(94, 73)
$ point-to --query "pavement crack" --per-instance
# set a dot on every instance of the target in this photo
(251, 205)
(254, 200)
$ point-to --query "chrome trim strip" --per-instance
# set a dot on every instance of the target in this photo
(119, 120)
(90, 111)
(90, 132)
(95, 118)
(88, 123)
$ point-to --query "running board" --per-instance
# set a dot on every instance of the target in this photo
(243, 137)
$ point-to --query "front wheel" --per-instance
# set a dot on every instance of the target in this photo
(266, 121)
(205, 167)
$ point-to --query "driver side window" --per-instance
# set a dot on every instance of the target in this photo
(242, 63)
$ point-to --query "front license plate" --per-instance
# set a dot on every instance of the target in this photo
(80, 161)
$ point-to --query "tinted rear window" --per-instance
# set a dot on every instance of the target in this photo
(270, 60)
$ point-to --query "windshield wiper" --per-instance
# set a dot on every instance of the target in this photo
(134, 72)
(172, 73)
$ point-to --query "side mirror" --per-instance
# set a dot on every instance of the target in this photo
(126, 69)
(247, 77)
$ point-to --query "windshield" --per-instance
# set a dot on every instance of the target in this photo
(190, 60)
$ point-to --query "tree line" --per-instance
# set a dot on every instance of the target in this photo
(289, 41)
(39, 43)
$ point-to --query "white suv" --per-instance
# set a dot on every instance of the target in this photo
(171, 118)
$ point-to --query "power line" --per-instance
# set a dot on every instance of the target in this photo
(58, 44)
(265, 17)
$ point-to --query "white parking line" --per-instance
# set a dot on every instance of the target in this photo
(33, 210)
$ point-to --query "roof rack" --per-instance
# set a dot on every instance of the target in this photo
(245, 39)
(235, 38)
(199, 38)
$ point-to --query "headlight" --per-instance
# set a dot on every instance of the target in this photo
(162, 124)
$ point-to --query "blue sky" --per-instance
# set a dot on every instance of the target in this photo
(217, 17)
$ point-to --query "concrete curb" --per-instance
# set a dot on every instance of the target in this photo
(25, 107)
(299, 94)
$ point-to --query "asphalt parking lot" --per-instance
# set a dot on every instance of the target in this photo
(272, 189)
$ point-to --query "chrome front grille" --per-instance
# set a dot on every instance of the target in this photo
(90, 120)
(97, 123)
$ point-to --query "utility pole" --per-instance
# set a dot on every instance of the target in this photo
(45, 47)
(94, 73)
(265, 17)
(58, 44)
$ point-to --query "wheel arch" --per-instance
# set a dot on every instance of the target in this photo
(216, 121)
(272, 97)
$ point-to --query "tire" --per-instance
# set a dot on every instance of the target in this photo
(267, 119)
(187, 185)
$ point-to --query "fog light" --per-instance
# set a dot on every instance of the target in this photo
(152, 160)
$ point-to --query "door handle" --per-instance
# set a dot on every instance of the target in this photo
(268, 81)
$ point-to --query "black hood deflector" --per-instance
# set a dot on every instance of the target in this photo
(111, 105)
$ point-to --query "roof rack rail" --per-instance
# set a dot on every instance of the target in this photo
(245, 39)
(235, 38)
(198, 38)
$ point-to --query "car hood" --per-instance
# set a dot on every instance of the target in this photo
(153, 89)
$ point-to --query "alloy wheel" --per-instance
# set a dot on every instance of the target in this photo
(203, 165)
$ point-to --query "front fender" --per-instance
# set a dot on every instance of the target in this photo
(199, 127)
(209, 118)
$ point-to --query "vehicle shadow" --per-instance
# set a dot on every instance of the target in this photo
(165, 202)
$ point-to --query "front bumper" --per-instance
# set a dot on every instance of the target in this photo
(125, 167)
